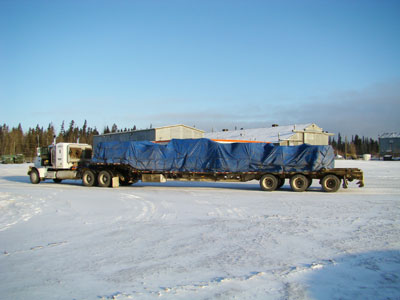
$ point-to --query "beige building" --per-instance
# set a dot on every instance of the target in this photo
(160, 134)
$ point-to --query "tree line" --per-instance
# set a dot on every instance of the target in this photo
(16, 141)
(355, 147)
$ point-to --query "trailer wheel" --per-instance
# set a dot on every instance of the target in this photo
(34, 176)
(104, 178)
(89, 178)
(299, 183)
(330, 183)
(268, 182)
(56, 180)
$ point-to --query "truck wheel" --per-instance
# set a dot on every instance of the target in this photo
(123, 180)
(330, 183)
(56, 180)
(127, 182)
(299, 183)
(34, 176)
(268, 182)
(89, 178)
(104, 178)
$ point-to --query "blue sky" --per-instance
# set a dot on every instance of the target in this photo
(212, 64)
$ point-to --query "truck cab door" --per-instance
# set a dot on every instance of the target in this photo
(59, 156)
(53, 156)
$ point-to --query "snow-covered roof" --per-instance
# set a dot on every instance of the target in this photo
(271, 134)
(388, 135)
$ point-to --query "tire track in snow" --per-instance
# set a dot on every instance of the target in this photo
(185, 288)
(145, 208)
(34, 248)
(15, 209)
(148, 209)
(228, 212)
(222, 284)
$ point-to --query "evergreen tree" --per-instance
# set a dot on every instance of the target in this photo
(61, 135)
(49, 136)
(83, 133)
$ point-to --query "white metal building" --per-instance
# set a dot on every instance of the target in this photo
(389, 145)
(289, 135)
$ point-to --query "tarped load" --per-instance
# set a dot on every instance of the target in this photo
(204, 155)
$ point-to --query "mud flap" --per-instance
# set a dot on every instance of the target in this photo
(345, 183)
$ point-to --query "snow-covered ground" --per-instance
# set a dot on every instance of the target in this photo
(200, 240)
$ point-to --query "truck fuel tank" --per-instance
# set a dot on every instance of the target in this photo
(67, 174)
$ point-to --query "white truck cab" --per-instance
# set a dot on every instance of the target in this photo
(59, 161)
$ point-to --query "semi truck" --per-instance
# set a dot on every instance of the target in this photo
(113, 164)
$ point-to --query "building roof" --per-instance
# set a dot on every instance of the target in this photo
(155, 128)
(271, 134)
(179, 125)
(389, 135)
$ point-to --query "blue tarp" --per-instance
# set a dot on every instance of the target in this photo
(204, 155)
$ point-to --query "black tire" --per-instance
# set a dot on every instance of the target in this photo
(56, 180)
(268, 182)
(299, 183)
(127, 183)
(124, 181)
(281, 182)
(104, 179)
(330, 183)
(89, 178)
(34, 177)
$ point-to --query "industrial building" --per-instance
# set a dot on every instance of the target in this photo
(289, 135)
(389, 145)
(159, 135)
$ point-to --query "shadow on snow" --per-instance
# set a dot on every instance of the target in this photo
(174, 184)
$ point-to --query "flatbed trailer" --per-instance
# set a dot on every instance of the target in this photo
(125, 163)
(107, 175)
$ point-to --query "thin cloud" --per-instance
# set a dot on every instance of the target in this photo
(368, 112)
